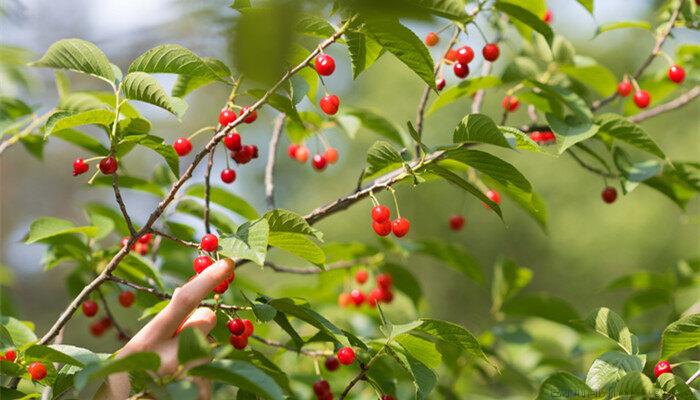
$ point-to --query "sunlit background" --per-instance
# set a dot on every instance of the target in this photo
(588, 242)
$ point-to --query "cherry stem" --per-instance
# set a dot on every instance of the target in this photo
(228, 164)
(483, 36)
(635, 85)
(206, 128)
(323, 83)
(671, 61)
(91, 159)
(374, 199)
(439, 31)
(316, 367)
(324, 141)
(396, 202)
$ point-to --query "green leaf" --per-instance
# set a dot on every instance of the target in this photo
(554, 387)
(131, 182)
(279, 102)
(263, 312)
(610, 367)
(131, 363)
(623, 24)
(242, 375)
(20, 332)
(488, 164)
(571, 130)
(592, 74)
(46, 353)
(609, 324)
(453, 334)
(315, 26)
(143, 87)
(173, 59)
(376, 123)
(458, 181)
(249, 242)
(533, 21)
(424, 378)
(298, 245)
(452, 9)
(381, 158)
(364, 51)
(154, 309)
(454, 256)
(423, 350)
(508, 279)
(681, 335)
(165, 150)
(404, 44)
(225, 199)
(12, 394)
(140, 268)
(634, 384)
(676, 387)
(305, 313)
(77, 55)
(192, 345)
(48, 227)
(186, 84)
(622, 129)
(587, 4)
(81, 140)
(478, 128)
(63, 120)
(530, 202)
(542, 305)
(287, 221)
(465, 88)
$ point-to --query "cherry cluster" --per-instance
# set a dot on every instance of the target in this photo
(36, 370)
(543, 138)
(300, 153)
(380, 294)
(641, 97)
(461, 57)
(107, 165)
(142, 245)
(90, 309)
(345, 356)
(210, 244)
(383, 225)
(240, 329)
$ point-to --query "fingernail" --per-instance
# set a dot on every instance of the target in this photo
(222, 267)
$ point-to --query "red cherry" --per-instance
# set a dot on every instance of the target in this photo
(321, 387)
(548, 16)
(662, 367)
(329, 104)
(548, 137)
(460, 70)
(510, 103)
(210, 242)
(302, 154)
(232, 141)
(254, 150)
(382, 228)
(624, 88)
(126, 298)
(494, 196)
(145, 238)
(380, 213)
(221, 287)
(357, 296)
(400, 227)
(201, 263)
(236, 326)
(292, 150)
(642, 98)
(10, 355)
(238, 342)
(609, 194)
(251, 117)
(451, 55)
(226, 116)
(465, 55)
(324, 64)
(491, 52)
(384, 281)
(346, 356)
(676, 73)
(109, 165)
(89, 308)
(332, 363)
(80, 166)
(387, 397)
(249, 328)
(536, 136)
(97, 329)
(361, 276)
(244, 154)
(37, 371)
(456, 222)
(440, 84)
(231, 277)
(319, 162)
(228, 175)
(344, 299)
(431, 39)
(331, 155)
(106, 322)
(141, 248)
(374, 297)
(182, 146)
(386, 295)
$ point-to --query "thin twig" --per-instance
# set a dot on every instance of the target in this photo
(678, 102)
(122, 206)
(343, 264)
(310, 353)
(36, 121)
(595, 170)
(105, 305)
(175, 239)
(364, 368)
(695, 376)
(479, 95)
(207, 189)
(270, 167)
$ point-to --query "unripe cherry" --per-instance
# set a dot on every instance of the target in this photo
(431, 39)
(319, 162)
(361, 276)
(90, 308)
(302, 154)
(201, 263)
(662, 367)
(228, 175)
(80, 166)
(510, 103)
(226, 116)
(251, 117)
(465, 55)
(329, 104)
(109, 165)
(292, 150)
(400, 227)
(182, 146)
(676, 73)
(357, 296)
(380, 213)
(491, 52)
(332, 363)
(37, 371)
(460, 70)
(238, 342)
(344, 299)
(624, 88)
(232, 141)
(382, 228)
(642, 99)
(324, 64)
(236, 326)
(210, 242)
(346, 356)
(440, 84)
(456, 222)
(126, 298)
(609, 194)
(331, 155)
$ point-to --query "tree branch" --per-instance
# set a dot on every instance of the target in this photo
(363, 373)
(118, 327)
(310, 353)
(269, 168)
(122, 206)
(36, 121)
(176, 239)
(343, 264)
(595, 170)
(207, 189)
(679, 102)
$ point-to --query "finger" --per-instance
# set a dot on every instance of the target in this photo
(203, 388)
(203, 319)
(187, 298)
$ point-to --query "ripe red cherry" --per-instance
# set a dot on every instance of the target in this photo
(80, 166)
(382, 228)
(676, 73)
(108, 165)
(662, 367)
(331, 155)
(221, 287)
(182, 146)
(141, 248)
(321, 388)
(451, 55)
(37, 371)
(431, 39)
(380, 213)
(302, 154)
(232, 141)
(357, 296)
(126, 298)
(491, 52)
(624, 88)
(249, 328)
(548, 137)
(201, 263)
(374, 297)
(210, 242)
(346, 356)
(329, 104)
(456, 222)
(460, 70)
(10, 355)
(244, 154)
(238, 342)
(145, 238)
(319, 162)
(642, 98)
(228, 175)
(89, 308)
(236, 326)
(384, 281)
(324, 64)
(548, 16)
(387, 397)
(400, 227)
(292, 150)
(536, 136)
(226, 116)
(331, 363)
(344, 299)
(510, 103)
(251, 117)
(440, 84)
(465, 55)
(494, 196)
(609, 194)
(97, 329)
(361, 276)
